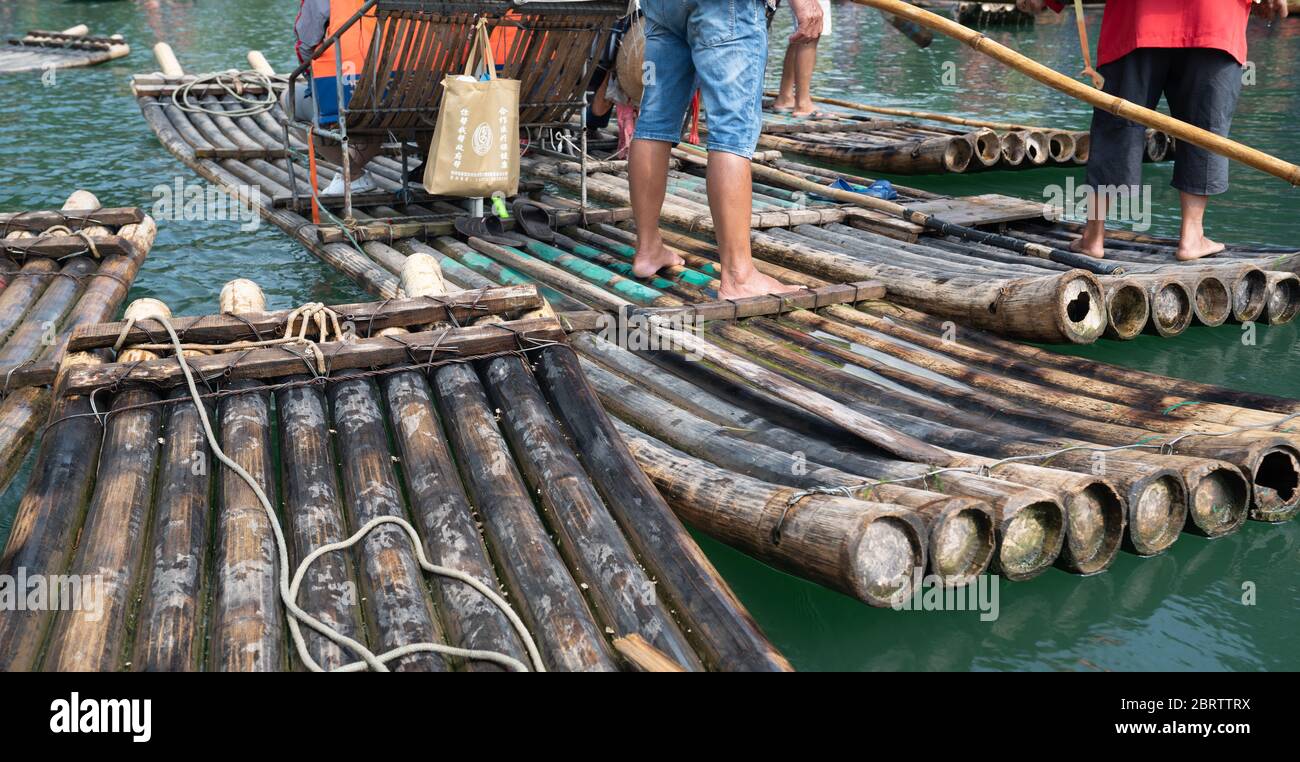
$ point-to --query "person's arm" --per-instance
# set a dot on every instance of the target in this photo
(808, 13)
(1273, 9)
(313, 19)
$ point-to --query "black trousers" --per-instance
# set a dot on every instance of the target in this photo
(1202, 86)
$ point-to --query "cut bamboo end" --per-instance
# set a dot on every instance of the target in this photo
(1094, 529)
(1031, 541)
(1283, 298)
(1220, 502)
(81, 199)
(643, 656)
(1249, 295)
(1060, 147)
(962, 544)
(1013, 149)
(1082, 148)
(1171, 304)
(422, 276)
(957, 155)
(80, 30)
(259, 64)
(167, 61)
(1157, 145)
(1037, 150)
(988, 146)
(1157, 514)
(885, 558)
(1127, 308)
(1276, 478)
(1211, 301)
(241, 296)
(143, 309)
(1081, 307)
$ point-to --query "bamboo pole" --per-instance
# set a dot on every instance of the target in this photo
(727, 636)
(1118, 106)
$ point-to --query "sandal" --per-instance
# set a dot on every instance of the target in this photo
(534, 219)
(488, 228)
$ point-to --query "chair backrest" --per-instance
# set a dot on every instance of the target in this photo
(410, 45)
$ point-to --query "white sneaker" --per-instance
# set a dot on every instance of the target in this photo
(363, 184)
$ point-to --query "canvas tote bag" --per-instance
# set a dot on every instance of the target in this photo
(475, 148)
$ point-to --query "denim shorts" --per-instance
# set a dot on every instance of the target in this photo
(719, 46)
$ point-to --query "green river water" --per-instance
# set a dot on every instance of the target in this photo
(1181, 611)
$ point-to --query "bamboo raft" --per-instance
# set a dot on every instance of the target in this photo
(971, 13)
(44, 51)
(59, 270)
(876, 143)
(465, 412)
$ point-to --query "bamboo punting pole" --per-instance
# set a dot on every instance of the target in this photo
(1144, 116)
(960, 530)
(247, 631)
(548, 599)
(867, 550)
(622, 593)
(117, 525)
(726, 635)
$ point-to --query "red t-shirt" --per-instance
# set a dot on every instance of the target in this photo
(1131, 24)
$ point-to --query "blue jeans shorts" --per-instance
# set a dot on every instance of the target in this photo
(719, 46)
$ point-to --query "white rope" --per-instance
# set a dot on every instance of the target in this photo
(289, 590)
(233, 84)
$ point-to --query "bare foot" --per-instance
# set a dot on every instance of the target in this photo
(757, 284)
(1097, 251)
(649, 260)
(1202, 247)
(784, 106)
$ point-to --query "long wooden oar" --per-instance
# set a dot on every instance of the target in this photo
(926, 220)
(1118, 106)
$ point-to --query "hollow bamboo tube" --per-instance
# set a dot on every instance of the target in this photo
(397, 609)
(623, 595)
(1171, 303)
(447, 521)
(116, 530)
(1144, 116)
(80, 30)
(1067, 308)
(866, 550)
(540, 586)
(1283, 298)
(51, 510)
(23, 290)
(247, 620)
(725, 634)
(960, 538)
(1060, 146)
(1013, 149)
(1127, 307)
(259, 63)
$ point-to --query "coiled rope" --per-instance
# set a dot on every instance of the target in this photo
(289, 589)
(235, 84)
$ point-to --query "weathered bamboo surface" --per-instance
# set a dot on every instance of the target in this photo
(44, 299)
(44, 51)
(511, 474)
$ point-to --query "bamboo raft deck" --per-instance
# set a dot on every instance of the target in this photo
(51, 282)
(877, 143)
(465, 412)
(40, 50)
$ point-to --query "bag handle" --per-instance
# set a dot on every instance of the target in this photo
(482, 50)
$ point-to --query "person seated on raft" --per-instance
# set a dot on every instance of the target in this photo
(795, 95)
(1192, 51)
(310, 28)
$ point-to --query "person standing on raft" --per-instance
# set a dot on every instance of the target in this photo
(795, 96)
(721, 46)
(1191, 51)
